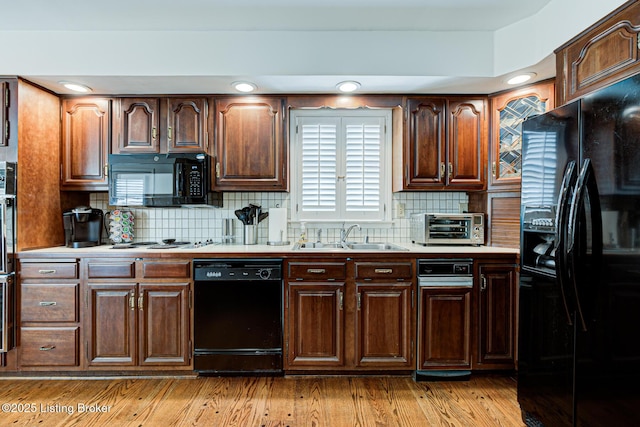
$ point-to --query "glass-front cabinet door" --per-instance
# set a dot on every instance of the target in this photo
(509, 110)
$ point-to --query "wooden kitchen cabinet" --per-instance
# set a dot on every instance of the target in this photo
(508, 110)
(445, 328)
(139, 321)
(314, 314)
(604, 53)
(384, 313)
(250, 147)
(445, 144)
(49, 315)
(86, 136)
(160, 125)
(496, 315)
(349, 315)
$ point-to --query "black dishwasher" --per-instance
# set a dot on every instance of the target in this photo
(238, 316)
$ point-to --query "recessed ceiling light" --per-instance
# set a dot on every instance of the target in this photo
(348, 86)
(520, 78)
(76, 87)
(244, 86)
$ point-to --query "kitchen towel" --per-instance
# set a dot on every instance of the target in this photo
(277, 225)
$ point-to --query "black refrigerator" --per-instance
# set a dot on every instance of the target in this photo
(579, 293)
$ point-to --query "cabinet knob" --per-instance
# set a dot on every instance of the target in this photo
(483, 282)
(316, 270)
(47, 347)
(47, 271)
(494, 170)
(169, 133)
(154, 133)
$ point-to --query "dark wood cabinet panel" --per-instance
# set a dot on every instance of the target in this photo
(467, 143)
(383, 331)
(163, 310)
(160, 125)
(187, 125)
(496, 316)
(86, 133)
(444, 340)
(111, 324)
(52, 347)
(425, 151)
(445, 144)
(250, 144)
(503, 213)
(138, 125)
(606, 52)
(315, 324)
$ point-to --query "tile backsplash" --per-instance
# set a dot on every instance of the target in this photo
(202, 223)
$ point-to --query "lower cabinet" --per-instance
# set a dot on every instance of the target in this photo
(496, 319)
(444, 328)
(139, 320)
(49, 315)
(349, 315)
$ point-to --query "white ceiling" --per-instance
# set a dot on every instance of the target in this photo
(285, 46)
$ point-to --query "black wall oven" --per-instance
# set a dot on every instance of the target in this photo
(238, 316)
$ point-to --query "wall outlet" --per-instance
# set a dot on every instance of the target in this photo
(401, 210)
(464, 207)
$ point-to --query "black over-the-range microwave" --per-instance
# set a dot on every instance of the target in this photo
(161, 180)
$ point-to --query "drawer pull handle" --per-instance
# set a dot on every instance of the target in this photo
(47, 271)
(383, 270)
(47, 303)
(316, 270)
(47, 347)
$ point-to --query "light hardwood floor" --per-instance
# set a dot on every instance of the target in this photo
(260, 401)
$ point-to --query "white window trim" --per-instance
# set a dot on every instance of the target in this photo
(385, 216)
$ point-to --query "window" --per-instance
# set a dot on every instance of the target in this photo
(340, 165)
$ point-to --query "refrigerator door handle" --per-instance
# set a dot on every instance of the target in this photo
(564, 198)
(586, 187)
(4, 263)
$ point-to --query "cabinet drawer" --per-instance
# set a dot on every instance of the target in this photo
(49, 346)
(111, 270)
(49, 270)
(382, 270)
(166, 270)
(317, 271)
(48, 302)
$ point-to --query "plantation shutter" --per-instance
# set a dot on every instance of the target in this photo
(319, 165)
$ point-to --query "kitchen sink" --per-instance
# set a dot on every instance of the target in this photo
(348, 246)
(318, 245)
(375, 247)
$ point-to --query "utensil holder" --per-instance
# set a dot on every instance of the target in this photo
(250, 234)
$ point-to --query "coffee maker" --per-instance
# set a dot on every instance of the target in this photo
(83, 227)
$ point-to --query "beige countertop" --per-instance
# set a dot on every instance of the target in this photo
(214, 250)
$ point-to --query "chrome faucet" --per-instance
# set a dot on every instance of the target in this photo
(344, 234)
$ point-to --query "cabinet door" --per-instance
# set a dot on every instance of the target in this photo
(163, 312)
(497, 316)
(86, 130)
(444, 335)
(111, 324)
(186, 124)
(425, 150)
(467, 144)
(509, 110)
(384, 329)
(315, 325)
(250, 146)
(138, 121)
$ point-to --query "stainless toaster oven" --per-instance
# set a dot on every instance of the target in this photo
(447, 229)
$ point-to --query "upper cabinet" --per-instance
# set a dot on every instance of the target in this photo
(445, 144)
(250, 146)
(604, 53)
(160, 125)
(508, 111)
(86, 132)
